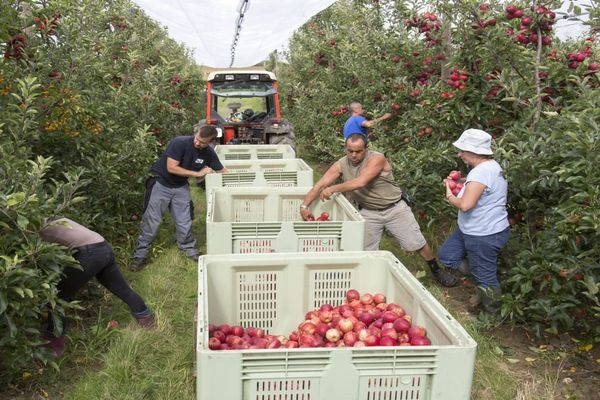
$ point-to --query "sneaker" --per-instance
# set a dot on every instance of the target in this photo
(56, 344)
(445, 277)
(148, 322)
(138, 264)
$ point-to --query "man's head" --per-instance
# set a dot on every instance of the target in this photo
(356, 147)
(356, 108)
(203, 135)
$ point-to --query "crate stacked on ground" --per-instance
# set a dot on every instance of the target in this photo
(271, 291)
(267, 219)
(287, 172)
(254, 151)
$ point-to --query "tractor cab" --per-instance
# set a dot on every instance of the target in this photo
(244, 105)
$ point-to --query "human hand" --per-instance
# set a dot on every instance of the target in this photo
(387, 116)
(306, 214)
(326, 194)
(205, 171)
(449, 184)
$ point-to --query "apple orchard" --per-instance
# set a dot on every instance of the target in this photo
(91, 91)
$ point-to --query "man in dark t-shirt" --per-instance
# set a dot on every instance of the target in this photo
(185, 157)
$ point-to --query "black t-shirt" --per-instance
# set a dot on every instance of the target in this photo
(182, 149)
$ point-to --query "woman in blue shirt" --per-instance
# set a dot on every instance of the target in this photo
(483, 228)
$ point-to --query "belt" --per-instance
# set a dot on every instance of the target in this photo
(89, 246)
(360, 207)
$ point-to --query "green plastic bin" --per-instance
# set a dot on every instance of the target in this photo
(254, 151)
(267, 220)
(289, 172)
(274, 291)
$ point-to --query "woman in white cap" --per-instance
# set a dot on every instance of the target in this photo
(483, 228)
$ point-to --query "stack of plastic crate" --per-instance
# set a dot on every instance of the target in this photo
(309, 263)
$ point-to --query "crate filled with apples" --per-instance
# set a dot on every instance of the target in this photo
(351, 324)
(362, 320)
(455, 182)
(242, 220)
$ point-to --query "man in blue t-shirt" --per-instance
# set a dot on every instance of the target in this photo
(185, 157)
(359, 124)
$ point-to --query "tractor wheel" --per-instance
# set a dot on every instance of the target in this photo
(284, 138)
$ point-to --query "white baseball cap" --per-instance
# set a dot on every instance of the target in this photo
(475, 141)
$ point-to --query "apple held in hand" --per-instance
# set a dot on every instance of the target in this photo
(323, 217)
(455, 175)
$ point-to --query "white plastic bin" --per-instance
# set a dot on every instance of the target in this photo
(288, 172)
(274, 291)
(254, 151)
(267, 220)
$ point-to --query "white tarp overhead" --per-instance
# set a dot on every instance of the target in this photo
(208, 27)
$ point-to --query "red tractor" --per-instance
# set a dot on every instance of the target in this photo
(244, 106)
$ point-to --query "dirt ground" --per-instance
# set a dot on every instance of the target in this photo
(552, 367)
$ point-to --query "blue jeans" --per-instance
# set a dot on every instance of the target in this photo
(480, 251)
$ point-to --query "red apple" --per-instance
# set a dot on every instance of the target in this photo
(416, 330)
(352, 294)
(333, 335)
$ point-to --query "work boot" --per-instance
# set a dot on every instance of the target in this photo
(148, 322)
(445, 277)
(475, 301)
(490, 299)
(463, 267)
(56, 344)
(138, 264)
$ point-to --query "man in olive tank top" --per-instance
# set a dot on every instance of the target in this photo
(368, 178)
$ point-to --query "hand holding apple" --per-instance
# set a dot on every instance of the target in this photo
(306, 214)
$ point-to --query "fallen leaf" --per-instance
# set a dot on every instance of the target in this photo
(567, 381)
(513, 360)
(26, 374)
(573, 370)
(530, 359)
(587, 347)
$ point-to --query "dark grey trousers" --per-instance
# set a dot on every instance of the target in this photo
(179, 203)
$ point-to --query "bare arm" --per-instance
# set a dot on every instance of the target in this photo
(174, 168)
(371, 170)
(469, 199)
(368, 124)
(327, 179)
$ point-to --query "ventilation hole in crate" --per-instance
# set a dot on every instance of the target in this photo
(289, 209)
(319, 245)
(329, 287)
(257, 305)
(393, 388)
(248, 210)
(247, 246)
(282, 389)
(245, 156)
(269, 156)
(281, 179)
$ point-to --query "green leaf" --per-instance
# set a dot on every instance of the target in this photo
(3, 302)
(15, 199)
(22, 221)
(18, 291)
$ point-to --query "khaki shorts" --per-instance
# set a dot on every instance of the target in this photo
(399, 221)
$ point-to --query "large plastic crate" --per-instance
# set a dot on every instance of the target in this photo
(274, 291)
(254, 151)
(267, 220)
(289, 172)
